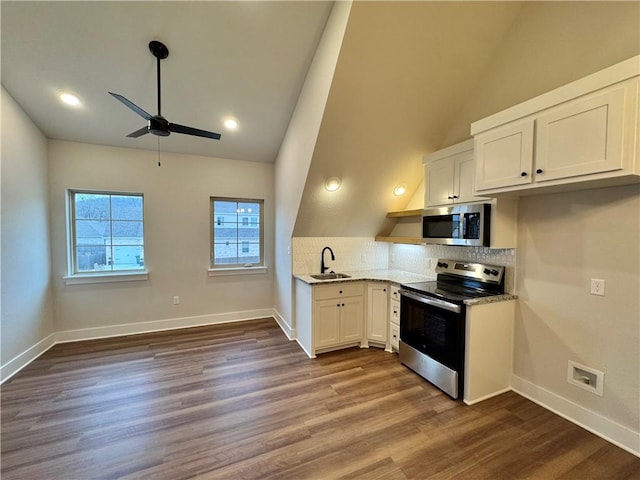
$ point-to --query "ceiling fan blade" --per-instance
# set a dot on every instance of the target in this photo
(176, 128)
(139, 133)
(131, 105)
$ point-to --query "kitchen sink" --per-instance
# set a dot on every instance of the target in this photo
(330, 276)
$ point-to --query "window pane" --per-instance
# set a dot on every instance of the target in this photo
(127, 233)
(127, 257)
(92, 206)
(225, 253)
(108, 231)
(126, 207)
(91, 258)
(236, 229)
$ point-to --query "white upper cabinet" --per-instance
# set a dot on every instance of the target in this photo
(586, 131)
(450, 175)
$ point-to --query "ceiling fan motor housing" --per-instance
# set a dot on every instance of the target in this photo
(159, 126)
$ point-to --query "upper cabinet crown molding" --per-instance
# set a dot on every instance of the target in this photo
(582, 135)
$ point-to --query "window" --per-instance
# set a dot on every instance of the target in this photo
(106, 232)
(237, 232)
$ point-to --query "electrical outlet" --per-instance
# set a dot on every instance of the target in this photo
(176, 300)
(597, 286)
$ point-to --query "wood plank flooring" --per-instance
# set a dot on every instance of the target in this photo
(240, 401)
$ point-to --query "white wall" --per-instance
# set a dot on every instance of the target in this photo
(176, 209)
(296, 151)
(564, 240)
(26, 299)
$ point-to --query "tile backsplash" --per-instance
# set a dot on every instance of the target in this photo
(363, 253)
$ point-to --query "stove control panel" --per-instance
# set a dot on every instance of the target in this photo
(478, 271)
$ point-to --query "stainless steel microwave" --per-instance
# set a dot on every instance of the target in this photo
(464, 224)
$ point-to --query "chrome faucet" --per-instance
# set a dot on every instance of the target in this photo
(333, 257)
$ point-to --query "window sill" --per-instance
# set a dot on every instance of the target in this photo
(218, 272)
(86, 278)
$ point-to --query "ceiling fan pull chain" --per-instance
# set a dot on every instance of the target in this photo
(159, 151)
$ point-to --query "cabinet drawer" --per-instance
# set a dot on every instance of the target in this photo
(394, 336)
(394, 311)
(394, 292)
(324, 292)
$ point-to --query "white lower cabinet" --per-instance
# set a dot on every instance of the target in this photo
(378, 313)
(337, 315)
(488, 361)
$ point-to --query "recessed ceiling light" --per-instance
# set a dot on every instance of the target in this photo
(70, 99)
(231, 124)
(400, 189)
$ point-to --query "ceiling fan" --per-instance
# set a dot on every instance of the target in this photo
(157, 124)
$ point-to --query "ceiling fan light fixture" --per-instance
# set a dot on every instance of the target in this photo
(69, 99)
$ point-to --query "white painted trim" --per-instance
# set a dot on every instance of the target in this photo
(81, 279)
(219, 272)
(611, 431)
(304, 349)
(486, 397)
(23, 359)
(284, 326)
(160, 325)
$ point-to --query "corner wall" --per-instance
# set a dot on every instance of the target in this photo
(26, 298)
(296, 151)
(565, 240)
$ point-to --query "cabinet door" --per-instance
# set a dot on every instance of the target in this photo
(504, 156)
(377, 313)
(464, 178)
(582, 137)
(351, 319)
(326, 323)
(438, 187)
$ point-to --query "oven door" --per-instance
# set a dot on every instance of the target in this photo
(433, 327)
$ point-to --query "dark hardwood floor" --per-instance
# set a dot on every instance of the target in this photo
(240, 401)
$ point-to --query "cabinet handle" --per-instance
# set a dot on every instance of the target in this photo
(539, 170)
(523, 174)
(455, 196)
(343, 304)
(340, 291)
(384, 289)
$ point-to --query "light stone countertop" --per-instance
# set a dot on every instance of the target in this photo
(399, 277)
(393, 276)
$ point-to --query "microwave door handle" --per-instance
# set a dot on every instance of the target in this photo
(463, 226)
(434, 302)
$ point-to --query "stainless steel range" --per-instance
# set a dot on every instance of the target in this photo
(432, 320)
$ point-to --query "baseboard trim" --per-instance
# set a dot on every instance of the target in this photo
(605, 428)
(487, 397)
(23, 359)
(284, 326)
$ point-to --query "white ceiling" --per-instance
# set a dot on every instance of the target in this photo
(246, 60)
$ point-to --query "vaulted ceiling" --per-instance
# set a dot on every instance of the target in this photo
(246, 60)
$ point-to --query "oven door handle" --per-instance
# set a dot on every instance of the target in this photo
(434, 302)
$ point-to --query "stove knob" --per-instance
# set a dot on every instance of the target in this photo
(445, 265)
(486, 271)
(494, 272)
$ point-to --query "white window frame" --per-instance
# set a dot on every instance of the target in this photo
(75, 276)
(234, 269)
